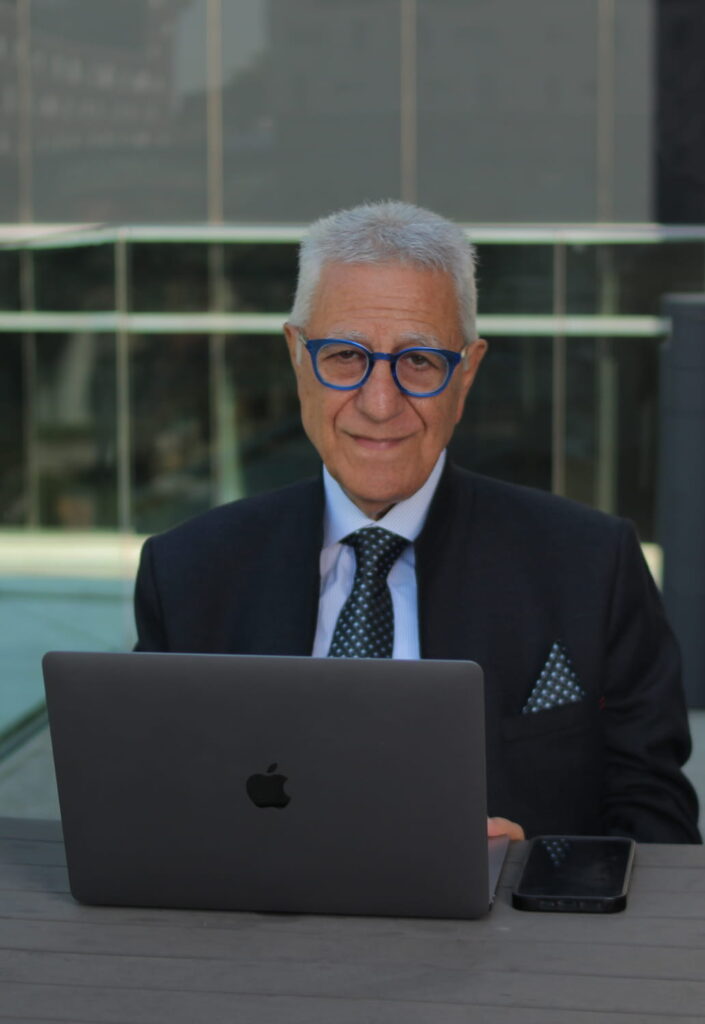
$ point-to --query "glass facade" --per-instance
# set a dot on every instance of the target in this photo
(149, 378)
(269, 111)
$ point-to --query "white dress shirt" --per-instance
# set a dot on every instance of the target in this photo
(337, 565)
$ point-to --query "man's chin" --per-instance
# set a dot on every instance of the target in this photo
(373, 497)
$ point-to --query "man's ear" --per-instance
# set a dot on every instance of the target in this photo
(469, 367)
(473, 357)
(293, 343)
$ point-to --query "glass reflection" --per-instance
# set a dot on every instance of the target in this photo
(118, 110)
(515, 279)
(80, 278)
(168, 278)
(581, 427)
(74, 430)
(10, 279)
(516, 144)
(273, 449)
(311, 107)
(13, 396)
(170, 429)
(631, 279)
(635, 439)
(260, 278)
(10, 122)
(506, 427)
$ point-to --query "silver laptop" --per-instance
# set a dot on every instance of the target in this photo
(305, 785)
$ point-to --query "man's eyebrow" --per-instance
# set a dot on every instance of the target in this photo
(419, 338)
(406, 340)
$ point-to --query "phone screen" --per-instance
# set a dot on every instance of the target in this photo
(581, 873)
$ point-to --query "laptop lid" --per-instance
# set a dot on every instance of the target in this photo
(289, 784)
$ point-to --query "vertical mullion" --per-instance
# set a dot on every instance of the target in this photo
(24, 113)
(122, 389)
(225, 463)
(408, 100)
(29, 374)
(558, 376)
(605, 110)
(214, 111)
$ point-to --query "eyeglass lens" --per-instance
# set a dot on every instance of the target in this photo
(418, 370)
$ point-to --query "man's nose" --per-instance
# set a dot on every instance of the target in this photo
(379, 398)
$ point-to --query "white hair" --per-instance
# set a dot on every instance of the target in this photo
(387, 232)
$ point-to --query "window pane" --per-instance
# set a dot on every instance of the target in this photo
(506, 104)
(581, 420)
(515, 279)
(9, 122)
(13, 507)
(638, 429)
(10, 279)
(310, 106)
(74, 430)
(273, 449)
(631, 279)
(260, 278)
(168, 278)
(118, 110)
(75, 279)
(506, 428)
(170, 429)
(613, 426)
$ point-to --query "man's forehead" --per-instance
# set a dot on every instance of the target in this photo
(413, 302)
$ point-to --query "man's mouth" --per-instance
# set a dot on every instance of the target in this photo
(377, 444)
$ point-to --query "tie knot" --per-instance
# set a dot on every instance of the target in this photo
(376, 549)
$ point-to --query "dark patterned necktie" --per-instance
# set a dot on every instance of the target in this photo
(365, 626)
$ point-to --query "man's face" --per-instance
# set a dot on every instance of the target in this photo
(378, 443)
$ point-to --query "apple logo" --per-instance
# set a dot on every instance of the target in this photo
(268, 790)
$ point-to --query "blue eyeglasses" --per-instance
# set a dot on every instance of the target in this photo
(417, 371)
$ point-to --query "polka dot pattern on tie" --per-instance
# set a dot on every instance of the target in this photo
(365, 626)
(557, 685)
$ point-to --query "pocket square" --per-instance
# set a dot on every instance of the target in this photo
(557, 684)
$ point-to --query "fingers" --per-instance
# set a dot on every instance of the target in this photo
(504, 827)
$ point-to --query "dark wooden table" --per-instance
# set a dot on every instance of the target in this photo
(60, 961)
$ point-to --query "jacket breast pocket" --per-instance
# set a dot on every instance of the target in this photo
(566, 719)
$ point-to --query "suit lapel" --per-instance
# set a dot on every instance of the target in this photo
(461, 611)
(282, 617)
(445, 570)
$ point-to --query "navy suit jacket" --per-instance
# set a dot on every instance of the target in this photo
(503, 573)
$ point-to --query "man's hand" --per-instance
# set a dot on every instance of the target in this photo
(504, 827)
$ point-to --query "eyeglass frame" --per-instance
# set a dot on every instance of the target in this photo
(314, 345)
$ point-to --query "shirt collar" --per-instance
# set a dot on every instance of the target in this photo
(406, 518)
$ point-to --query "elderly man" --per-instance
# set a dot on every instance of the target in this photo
(394, 552)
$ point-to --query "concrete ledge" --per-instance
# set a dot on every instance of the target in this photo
(85, 554)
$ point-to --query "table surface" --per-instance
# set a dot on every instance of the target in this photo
(60, 961)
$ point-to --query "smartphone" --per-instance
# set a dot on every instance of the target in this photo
(587, 874)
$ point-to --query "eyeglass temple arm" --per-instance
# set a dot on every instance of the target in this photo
(299, 347)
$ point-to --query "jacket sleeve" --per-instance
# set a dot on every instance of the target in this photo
(645, 724)
(148, 611)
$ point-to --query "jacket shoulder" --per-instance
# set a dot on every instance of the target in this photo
(531, 508)
(256, 516)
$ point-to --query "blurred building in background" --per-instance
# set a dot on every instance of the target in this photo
(159, 160)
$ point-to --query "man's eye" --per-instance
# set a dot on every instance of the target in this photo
(418, 359)
(342, 355)
(423, 360)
